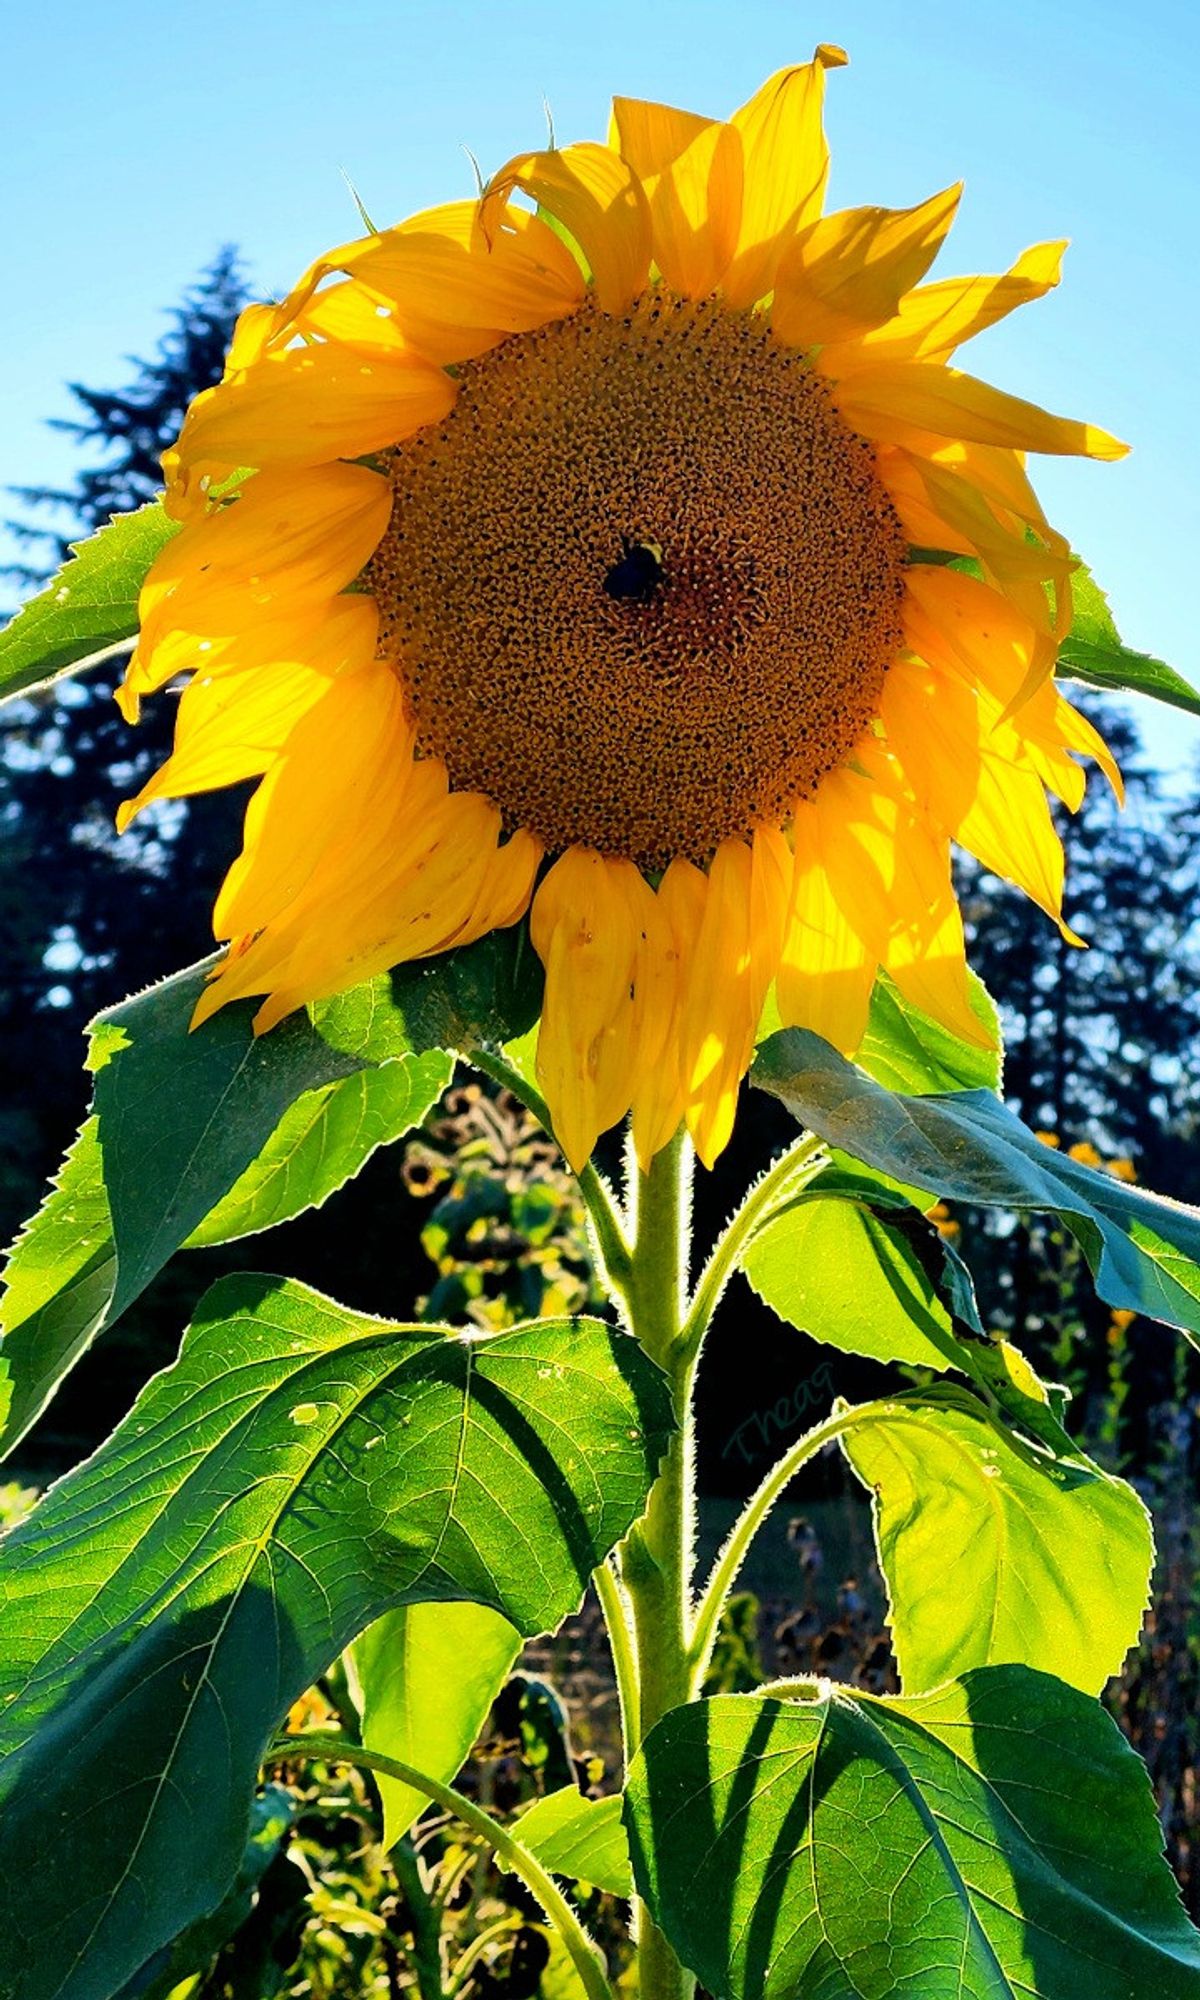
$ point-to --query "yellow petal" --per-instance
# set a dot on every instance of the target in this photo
(507, 886)
(691, 171)
(826, 971)
(307, 405)
(893, 400)
(660, 1096)
(287, 540)
(457, 285)
(931, 322)
(344, 762)
(991, 802)
(586, 931)
(416, 899)
(234, 719)
(599, 201)
(956, 621)
(849, 271)
(735, 959)
(785, 168)
(354, 315)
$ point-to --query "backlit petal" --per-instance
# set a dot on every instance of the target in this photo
(599, 201)
(785, 169)
(849, 271)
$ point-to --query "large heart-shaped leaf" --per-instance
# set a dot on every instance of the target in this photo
(424, 1677)
(967, 1146)
(300, 1471)
(89, 608)
(994, 1551)
(200, 1138)
(996, 1840)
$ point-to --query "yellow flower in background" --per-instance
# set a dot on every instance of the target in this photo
(598, 562)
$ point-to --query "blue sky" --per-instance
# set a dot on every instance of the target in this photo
(138, 137)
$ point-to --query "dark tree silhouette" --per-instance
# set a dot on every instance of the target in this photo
(85, 917)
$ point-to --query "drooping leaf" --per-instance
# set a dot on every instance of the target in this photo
(1095, 653)
(994, 1552)
(1144, 1251)
(208, 1136)
(906, 1050)
(89, 608)
(424, 1677)
(300, 1471)
(996, 1839)
(843, 1274)
(583, 1839)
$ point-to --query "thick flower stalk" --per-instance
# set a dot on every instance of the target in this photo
(625, 547)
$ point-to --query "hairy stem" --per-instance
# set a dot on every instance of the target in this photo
(424, 1920)
(617, 1618)
(584, 1953)
(745, 1528)
(793, 1170)
(657, 1556)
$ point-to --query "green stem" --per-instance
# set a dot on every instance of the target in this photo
(584, 1954)
(745, 1528)
(620, 1639)
(611, 1242)
(793, 1169)
(423, 1919)
(656, 1558)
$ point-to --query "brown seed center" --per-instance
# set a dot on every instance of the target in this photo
(643, 583)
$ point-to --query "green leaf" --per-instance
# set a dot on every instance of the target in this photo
(1144, 1251)
(58, 1285)
(993, 1552)
(88, 609)
(837, 1271)
(996, 1839)
(204, 1137)
(1095, 654)
(325, 1138)
(583, 1839)
(905, 1050)
(300, 1471)
(424, 1678)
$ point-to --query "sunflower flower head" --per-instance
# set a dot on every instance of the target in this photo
(625, 547)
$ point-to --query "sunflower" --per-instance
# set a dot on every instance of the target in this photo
(623, 548)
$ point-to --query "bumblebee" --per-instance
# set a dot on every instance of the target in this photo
(638, 574)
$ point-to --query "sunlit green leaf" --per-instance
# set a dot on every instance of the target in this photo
(1095, 653)
(906, 1050)
(994, 1552)
(89, 608)
(583, 1839)
(967, 1146)
(298, 1473)
(843, 1274)
(424, 1678)
(996, 1839)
